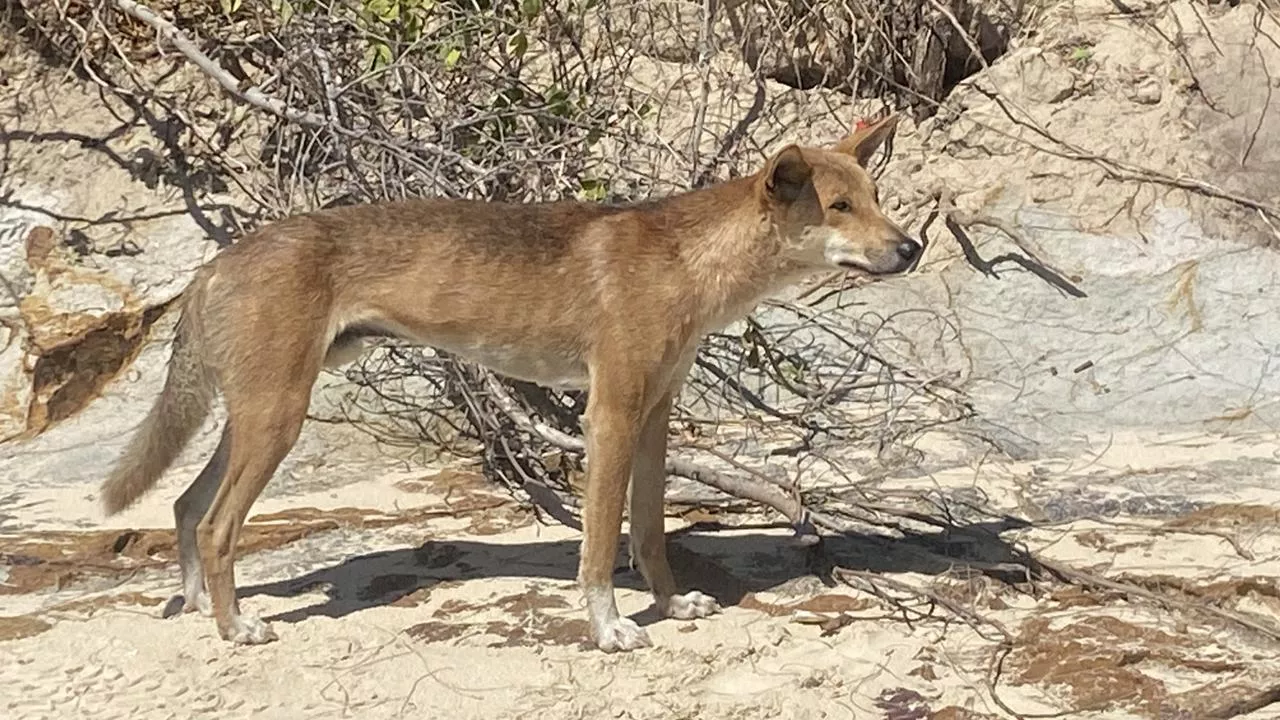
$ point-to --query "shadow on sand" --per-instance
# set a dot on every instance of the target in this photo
(728, 565)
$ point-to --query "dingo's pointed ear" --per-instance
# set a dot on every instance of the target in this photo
(787, 175)
(865, 138)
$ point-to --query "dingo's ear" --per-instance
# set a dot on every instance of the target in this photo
(865, 138)
(787, 175)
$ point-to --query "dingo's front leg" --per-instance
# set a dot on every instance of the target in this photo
(615, 408)
(648, 532)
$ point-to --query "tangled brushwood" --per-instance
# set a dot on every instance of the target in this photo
(328, 103)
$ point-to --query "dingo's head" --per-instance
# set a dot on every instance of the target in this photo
(826, 207)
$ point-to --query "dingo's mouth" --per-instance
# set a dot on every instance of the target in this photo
(868, 270)
(855, 265)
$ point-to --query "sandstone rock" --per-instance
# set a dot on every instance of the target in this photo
(1033, 74)
(73, 317)
(73, 331)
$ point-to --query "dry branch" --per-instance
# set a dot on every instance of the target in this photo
(251, 95)
(744, 488)
(1082, 578)
(1032, 260)
(255, 96)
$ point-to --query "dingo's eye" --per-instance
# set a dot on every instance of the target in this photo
(841, 206)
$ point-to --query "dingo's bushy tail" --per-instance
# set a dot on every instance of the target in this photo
(183, 405)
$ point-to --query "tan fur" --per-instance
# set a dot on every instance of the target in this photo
(183, 405)
(610, 299)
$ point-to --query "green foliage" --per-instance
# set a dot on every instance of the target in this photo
(509, 84)
(389, 23)
(284, 9)
(593, 189)
(455, 29)
(1080, 55)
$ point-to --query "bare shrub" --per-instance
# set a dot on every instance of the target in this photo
(530, 101)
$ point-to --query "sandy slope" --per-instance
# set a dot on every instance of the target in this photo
(402, 609)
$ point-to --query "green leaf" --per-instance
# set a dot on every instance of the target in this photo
(530, 8)
(518, 44)
(386, 11)
(452, 57)
(557, 101)
(593, 190)
(377, 55)
(284, 9)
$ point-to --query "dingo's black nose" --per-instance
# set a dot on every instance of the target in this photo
(909, 250)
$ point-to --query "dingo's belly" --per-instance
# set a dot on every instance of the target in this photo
(524, 356)
(550, 368)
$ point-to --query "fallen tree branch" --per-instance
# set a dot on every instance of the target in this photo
(1032, 259)
(1073, 576)
(183, 44)
(1245, 706)
(747, 489)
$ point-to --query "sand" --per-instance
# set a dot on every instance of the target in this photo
(420, 593)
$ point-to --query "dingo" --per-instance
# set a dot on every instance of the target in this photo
(613, 300)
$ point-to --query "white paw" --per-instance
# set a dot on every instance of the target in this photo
(179, 604)
(250, 630)
(200, 603)
(621, 634)
(690, 605)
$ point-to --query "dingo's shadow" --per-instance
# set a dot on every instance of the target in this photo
(725, 565)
